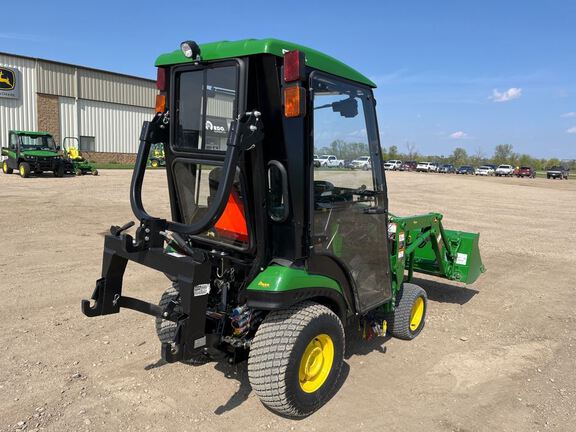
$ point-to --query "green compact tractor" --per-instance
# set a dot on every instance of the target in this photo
(267, 257)
(32, 152)
(77, 164)
(157, 158)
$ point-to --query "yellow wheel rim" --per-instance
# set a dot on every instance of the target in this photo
(316, 363)
(22, 170)
(417, 314)
(5, 167)
(154, 164)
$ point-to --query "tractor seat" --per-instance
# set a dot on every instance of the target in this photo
(73, 153)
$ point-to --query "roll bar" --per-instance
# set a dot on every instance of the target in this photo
(245, 132)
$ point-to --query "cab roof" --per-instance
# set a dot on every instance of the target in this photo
(18, 132)
(247, 47)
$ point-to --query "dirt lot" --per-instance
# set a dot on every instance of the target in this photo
(496, 356)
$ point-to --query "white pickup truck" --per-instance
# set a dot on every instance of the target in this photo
(330, 161)
(504, 170)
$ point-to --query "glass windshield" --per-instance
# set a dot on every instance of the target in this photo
(37, 142)
(205, 106)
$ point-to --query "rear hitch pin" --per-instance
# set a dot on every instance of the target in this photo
(115, 299)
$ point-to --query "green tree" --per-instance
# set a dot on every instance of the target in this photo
(503, 154)
(393, 152)
(459, 156)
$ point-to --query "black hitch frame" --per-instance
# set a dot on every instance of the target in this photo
(191, 269)
(192, 276)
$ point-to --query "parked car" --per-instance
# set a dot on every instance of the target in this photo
(424, 166)
(465, 170)
(558, 172)
(525, 172)
(484, 170)
(504, 171)
(316, 161)
(408, 166)
(447, 169)
(396, 163)
(331, 161)
(363, 162)
(388, 166)
(491, 166)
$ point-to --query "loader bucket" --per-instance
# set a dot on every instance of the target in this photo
(465, 265)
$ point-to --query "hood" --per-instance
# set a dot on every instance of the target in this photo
(40, 153)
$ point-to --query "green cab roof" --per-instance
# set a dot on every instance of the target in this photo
(17, 132)
(227, 49)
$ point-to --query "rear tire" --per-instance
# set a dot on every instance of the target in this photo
(410, 313)
(6, 169)
(296, 358)
(24, 169)
(166, 330)
(95, 172)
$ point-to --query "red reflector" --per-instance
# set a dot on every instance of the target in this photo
(161, 79)
(232, 223)
(294, 63)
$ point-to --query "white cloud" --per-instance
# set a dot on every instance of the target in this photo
(572, 130)
(459, 135)
(569, 114)
(508, 95)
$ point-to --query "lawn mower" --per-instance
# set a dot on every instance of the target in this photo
(78, 165)
(269, 259)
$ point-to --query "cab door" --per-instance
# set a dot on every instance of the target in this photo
(350, 206)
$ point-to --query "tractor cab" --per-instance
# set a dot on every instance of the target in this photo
(268, 255)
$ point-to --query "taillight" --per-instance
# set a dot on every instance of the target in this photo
(294, 101)
(294, 66)
(160, 103)
(161, 79)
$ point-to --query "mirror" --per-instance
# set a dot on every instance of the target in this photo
(346, 108)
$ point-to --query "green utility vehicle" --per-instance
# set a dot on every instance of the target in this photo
(77, 164)
(157, 157)
(32, 152)
(268, 257)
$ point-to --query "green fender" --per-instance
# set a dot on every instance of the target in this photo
(278, 287)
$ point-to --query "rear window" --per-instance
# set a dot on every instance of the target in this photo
(206, 104)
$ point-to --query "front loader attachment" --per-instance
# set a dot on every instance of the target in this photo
(421, 244)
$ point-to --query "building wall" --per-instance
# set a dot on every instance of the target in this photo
(49, 115)
(72, 101)
(115, 128)
(20, 113)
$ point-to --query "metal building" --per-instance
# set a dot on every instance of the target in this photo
(105, 110)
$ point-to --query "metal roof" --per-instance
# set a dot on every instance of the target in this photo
(227, 49)
(75, 65)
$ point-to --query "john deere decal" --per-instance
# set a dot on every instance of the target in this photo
(8, 83)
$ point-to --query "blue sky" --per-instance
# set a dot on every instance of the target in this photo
(450, 73)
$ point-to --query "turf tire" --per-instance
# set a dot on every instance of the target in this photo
(400, 321)
(276, 353)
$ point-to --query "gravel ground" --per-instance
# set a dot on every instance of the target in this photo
(495, 356)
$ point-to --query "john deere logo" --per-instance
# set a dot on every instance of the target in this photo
(7, 79)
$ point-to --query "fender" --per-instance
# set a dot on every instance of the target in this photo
(279, 287)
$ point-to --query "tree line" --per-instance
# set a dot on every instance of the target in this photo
(503, 154)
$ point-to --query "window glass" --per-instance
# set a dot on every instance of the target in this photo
(205, 107)
(196, 188)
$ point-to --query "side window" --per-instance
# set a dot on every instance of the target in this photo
(340, 130)
(13, 141)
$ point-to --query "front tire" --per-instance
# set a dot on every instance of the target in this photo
(296, 358)
(24, 169)
(410, 313)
